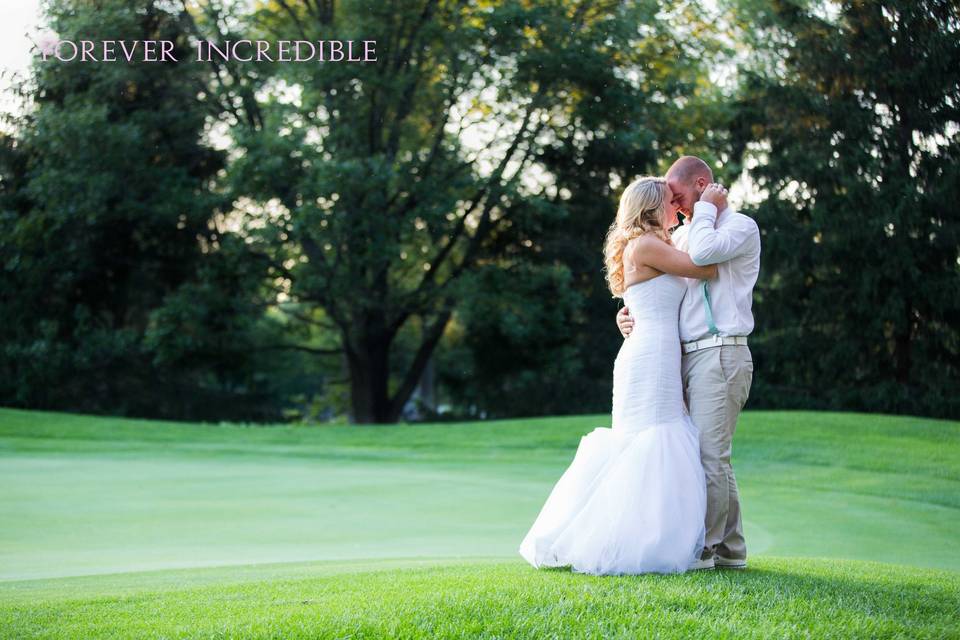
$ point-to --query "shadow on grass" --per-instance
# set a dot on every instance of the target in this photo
(826, 594)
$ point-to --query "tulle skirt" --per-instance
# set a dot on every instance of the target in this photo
(630, 502)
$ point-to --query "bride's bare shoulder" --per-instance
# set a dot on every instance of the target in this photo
(644, 243)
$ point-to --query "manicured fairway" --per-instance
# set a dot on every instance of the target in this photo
(425, 520)
(82, 495)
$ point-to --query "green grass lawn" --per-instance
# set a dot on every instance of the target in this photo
(187, 530)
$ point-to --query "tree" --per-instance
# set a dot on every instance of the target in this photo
(388, 187)
(107, 216)
(851, 110)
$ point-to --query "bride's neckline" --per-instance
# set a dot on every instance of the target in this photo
(643, 282)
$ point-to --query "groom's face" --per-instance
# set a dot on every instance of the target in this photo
(685, 193)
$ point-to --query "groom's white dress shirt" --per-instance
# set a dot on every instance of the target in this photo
(735, 245)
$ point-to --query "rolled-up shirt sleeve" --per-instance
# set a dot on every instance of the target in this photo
(711, 246)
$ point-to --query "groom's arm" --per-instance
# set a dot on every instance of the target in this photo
(708, 245)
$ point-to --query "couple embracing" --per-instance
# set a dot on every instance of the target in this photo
(656, 492)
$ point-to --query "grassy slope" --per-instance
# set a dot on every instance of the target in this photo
(775, 598)
(84, 495)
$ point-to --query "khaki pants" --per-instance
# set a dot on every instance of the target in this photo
(716, 384)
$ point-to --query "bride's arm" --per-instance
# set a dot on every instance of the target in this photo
(659, 255)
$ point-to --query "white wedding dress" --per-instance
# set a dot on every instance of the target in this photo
(633, 499)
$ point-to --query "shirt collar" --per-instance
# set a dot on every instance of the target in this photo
(687, 219)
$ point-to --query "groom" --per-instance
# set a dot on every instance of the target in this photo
(715, 320)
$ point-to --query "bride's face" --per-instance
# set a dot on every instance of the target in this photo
(670, 210)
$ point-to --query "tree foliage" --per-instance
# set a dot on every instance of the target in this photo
(226, 239)
(117, 285)
(398, 186)
(852, 113)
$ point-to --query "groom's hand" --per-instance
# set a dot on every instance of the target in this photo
(624, 321)
(715, 194)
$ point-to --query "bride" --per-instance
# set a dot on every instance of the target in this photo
(633, 499)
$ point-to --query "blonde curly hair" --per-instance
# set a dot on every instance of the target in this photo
(641, 211)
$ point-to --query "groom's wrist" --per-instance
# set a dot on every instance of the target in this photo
(704, 209)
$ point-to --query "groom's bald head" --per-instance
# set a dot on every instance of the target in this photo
(687, 178)
(689, 168)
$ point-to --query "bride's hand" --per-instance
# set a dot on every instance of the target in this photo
(624, 321)
(715, 194)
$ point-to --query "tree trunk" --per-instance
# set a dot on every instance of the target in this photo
(427, 386)
(369, 374)
(369, 363)
(903, 346)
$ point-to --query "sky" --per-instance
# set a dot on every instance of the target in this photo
(20, 17)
